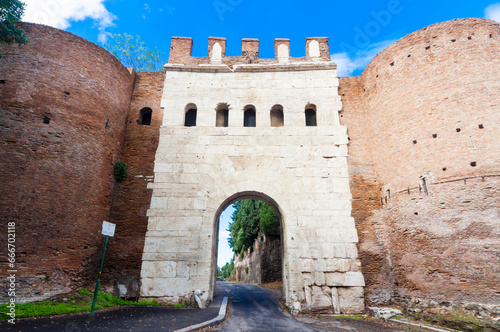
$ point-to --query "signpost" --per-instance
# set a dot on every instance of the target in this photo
(107, 229)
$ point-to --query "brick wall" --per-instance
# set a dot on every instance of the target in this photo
(63, 110)
(373, 243)
(427, 107)
(181, 49)
(131, 198)
(426, 87)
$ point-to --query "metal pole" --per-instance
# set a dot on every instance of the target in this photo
(98, 279)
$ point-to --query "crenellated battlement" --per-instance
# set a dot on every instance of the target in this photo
(181, 49)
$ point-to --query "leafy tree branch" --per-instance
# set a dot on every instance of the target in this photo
(11, 11)
(133, 52)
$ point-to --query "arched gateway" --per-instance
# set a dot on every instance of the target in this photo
(300, 170)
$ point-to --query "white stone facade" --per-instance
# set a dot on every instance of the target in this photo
(301, 171)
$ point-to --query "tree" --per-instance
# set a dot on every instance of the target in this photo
(11, 11)
(245, 226)
(134, 53)
(269, 221)
(226, 271)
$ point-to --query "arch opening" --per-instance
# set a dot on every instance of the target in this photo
(145, 116)
(259, 258)
(222, 115)
(277, 117)
(310, 114)
(249, 117)
(190, 115)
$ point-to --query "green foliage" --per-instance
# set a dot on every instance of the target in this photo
(245, 226)
(78, 302)
(84, 291)
(269, 221)
(148, 303)
(246, 269)
(249, 218)
(11, 11)
(226, 271)
(133, 52)
(179, 305)
(120, 170)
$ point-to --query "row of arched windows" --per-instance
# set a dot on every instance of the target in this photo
(222, 116)
(249, 115)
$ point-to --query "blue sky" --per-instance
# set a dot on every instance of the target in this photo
(357, 29)
(224, 252)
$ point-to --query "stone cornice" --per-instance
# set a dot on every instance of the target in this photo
(303, 66)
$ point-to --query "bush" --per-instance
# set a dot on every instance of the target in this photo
(120, 170)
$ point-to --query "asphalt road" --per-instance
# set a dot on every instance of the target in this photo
(136, 319)
(255, 309)
(252, 308)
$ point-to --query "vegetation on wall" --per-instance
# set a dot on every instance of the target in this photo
(120, 170)
(133, 53)
(249, 218)
(11, 11)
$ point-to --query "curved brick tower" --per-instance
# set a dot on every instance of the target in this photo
(64, 104)
(424, 163)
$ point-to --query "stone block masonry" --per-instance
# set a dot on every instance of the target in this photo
(300, 170)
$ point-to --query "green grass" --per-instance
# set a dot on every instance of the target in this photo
(80, 301)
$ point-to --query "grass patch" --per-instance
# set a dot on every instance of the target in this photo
(80, 301)
(459, 320)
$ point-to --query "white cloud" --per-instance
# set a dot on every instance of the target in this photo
(492, 12)
(348, 63)
(60, 13)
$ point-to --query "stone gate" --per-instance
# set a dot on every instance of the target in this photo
(244, 127)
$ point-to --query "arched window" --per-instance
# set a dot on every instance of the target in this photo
(249, 117)
(190, 115)
(222, 117)
(311, 115)
(145, 116)
(277, 119)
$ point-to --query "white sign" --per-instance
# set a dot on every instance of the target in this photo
(108, 228)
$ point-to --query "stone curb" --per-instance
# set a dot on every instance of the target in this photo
(402, 322)
(216, 320)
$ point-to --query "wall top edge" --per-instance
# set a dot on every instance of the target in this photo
(304, 66)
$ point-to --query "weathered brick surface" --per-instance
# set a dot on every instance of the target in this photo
(57, 178)
(181, 49)
(131, 198)
(432, 82)
(438, 87)
(445, 245)
(373, 248)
